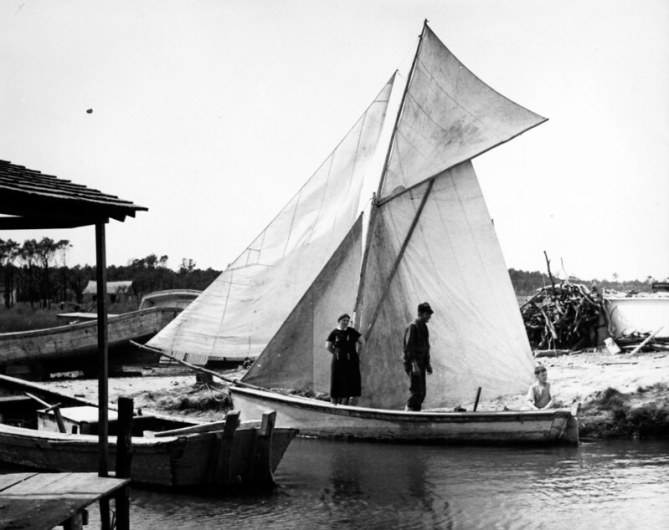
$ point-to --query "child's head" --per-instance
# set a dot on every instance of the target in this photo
(541, 373)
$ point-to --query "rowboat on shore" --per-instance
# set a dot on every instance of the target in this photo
(52, 346)
(424, 234)
(166, 451)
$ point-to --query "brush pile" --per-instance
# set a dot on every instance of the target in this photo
(565, 316)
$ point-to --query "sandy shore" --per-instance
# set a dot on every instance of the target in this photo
(621, 395)
(576, 377)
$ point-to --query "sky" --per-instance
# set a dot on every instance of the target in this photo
(213, 113)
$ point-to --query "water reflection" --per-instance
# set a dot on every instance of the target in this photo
(341, 485)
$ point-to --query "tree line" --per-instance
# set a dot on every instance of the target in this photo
(526, 283)
(35, 272)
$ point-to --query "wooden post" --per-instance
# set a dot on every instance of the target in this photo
(124, 460)
(103, 370)
(476, 401)
(261, 474)
(222, 470)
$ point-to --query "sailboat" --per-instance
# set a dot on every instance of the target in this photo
(393, 217)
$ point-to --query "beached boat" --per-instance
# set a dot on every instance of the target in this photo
(171, 298)
(165, 451)
(639, 312)
(52, 345)
(424, 234)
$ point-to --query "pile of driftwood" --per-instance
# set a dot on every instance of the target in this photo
(563, 316)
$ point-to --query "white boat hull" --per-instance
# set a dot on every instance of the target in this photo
(645, 314)
(325, 420)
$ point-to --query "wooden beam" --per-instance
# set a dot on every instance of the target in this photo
(31, 223)
(103, 367)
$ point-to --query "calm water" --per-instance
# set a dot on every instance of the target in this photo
(360, 485)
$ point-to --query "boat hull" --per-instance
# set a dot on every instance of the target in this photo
(200, 460)
(78, 339)
(215, 457)
(645, 314)
(172, 298)
(324, 420)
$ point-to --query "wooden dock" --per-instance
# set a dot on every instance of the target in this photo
(44, 500)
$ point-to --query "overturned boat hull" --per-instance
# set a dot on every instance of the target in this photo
(324, 420)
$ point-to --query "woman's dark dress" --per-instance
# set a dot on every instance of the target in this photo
(345, 375)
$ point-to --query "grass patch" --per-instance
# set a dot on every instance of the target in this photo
(22, 317)
(199, 398)
(640, 414)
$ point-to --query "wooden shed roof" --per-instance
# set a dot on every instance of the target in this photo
(36, 200)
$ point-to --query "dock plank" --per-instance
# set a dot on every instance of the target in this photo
(7, 481)
(44, 500)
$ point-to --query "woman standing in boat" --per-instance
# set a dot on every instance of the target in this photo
(344, 343)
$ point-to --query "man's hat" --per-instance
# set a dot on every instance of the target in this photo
(425, 308)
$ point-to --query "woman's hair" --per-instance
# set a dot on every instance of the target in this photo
(539, 369)
(343, 315)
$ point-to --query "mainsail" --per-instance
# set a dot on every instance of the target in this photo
(237, 315)
(432, 240)
(429, 237)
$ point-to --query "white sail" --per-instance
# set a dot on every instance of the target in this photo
(296, 358)
(430, 238)
(448, 116)
(451, 259)
(237, 315)
(433, 240)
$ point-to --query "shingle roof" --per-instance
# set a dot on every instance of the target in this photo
(45, 201)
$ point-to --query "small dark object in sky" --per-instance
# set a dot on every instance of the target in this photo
(89, 111)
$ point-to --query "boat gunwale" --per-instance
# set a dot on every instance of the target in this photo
(78, 439)
(77, 326)
(395, 415)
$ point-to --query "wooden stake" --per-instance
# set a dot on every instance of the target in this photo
(476, 401)
(124, 460)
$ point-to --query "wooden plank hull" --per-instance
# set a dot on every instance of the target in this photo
(81, 338)
(203, 460)
(247, 456)
(321, 419)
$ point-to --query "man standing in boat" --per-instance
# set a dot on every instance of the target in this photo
(417, 356)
